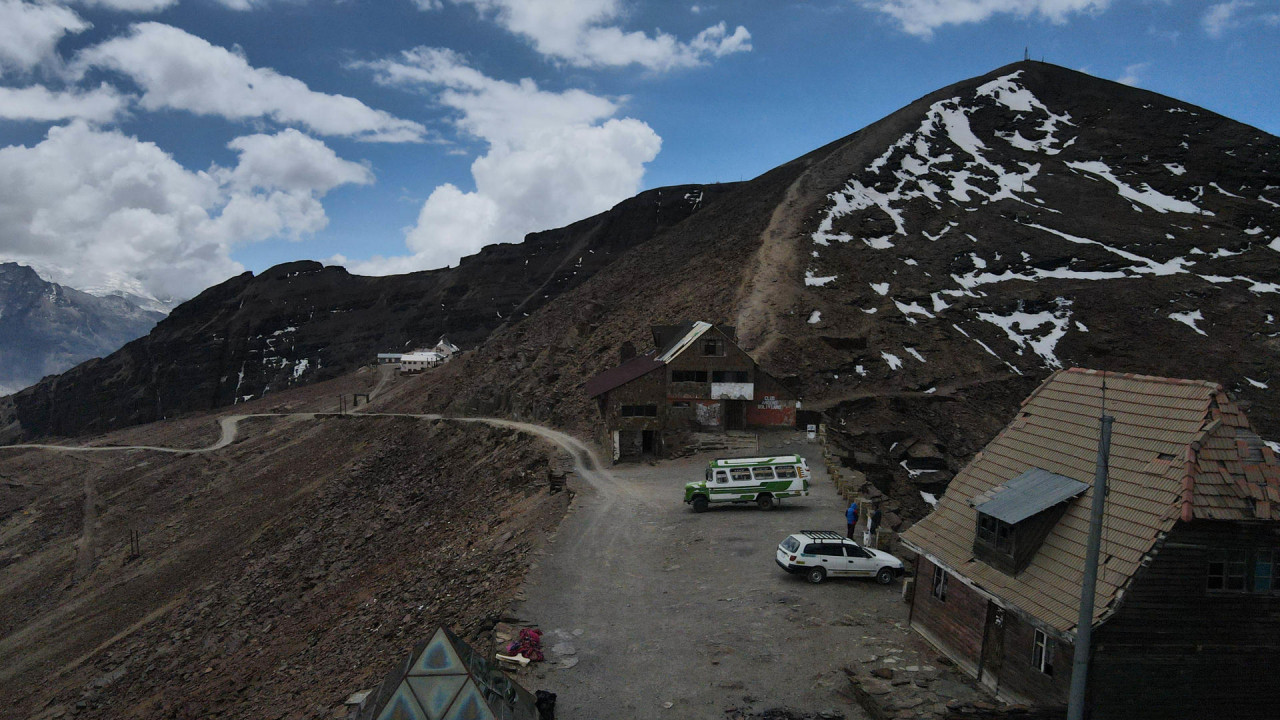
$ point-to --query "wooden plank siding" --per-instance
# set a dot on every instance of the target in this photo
(1019, 679)
(955, 624)
(1177, 650)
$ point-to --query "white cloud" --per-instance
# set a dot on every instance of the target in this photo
(553, 158)
(140, 6)
(922, 17)
(583, 33)
(29, 32)
(40, 103)
(1133, 73)
(102, 210)
(177, 70)
(1221, 18)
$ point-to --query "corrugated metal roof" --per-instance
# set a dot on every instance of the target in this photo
(679, 345)
(1031, 492)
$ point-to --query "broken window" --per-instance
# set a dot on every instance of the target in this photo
(1042, 653)
(679, 403)
(1242, 570)
(713, 347)
(688, 376)
(939, 583)
(639, 411)
(730, 376)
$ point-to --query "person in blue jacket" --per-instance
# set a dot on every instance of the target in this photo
(851, 517)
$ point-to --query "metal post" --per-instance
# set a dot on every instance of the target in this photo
(1084, 625)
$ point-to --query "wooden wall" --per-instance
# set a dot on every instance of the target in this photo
(957, 623)
(1019, 678)
(1177, 650)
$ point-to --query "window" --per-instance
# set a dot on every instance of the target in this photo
(730, 376)
(1242, 570)
(688, 376)
(995, 533)
(939, 583)
(639, 411)
(713, 347)
(741, 474)
(786, 472)
(826, 549)
(1264, 568)
(1042, 653)
(722, 477)
(679, 403)
(762, 474)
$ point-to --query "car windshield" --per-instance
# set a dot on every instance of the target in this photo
(791, 544)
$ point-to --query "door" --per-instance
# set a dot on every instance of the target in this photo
(646, 441)
(831, 558)
(992, 648)
(861, 562)
(735, 414)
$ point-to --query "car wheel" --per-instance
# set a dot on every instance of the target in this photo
(885, 576)
(765, 502)
(700, 504)
(816, 575)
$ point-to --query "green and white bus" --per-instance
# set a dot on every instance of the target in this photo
(762, 480)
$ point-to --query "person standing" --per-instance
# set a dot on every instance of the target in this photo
(851, 518)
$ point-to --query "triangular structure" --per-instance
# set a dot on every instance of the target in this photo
(444, 679)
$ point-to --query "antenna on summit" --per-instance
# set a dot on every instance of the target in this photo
(1026, 53)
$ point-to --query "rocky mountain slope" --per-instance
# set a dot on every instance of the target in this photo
(46, 328)
(917, 278)
(276, 576)
(301, 322)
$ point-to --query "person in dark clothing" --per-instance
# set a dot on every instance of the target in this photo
(873, 522)
(851, 518)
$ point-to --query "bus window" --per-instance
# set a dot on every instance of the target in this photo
(762, 473)
(786, 472)
(741, 474)
(722, 477)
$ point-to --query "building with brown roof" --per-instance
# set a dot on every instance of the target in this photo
(696, 379)
(1187, 608)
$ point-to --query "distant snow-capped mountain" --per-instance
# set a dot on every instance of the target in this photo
(46, 328)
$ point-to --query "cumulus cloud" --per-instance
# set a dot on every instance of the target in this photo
(1223, 18)
(139, 6)
(29, 32)
(553, 158)
(42, 104)
(922, 17)
(98, 209)
(583, 33)
(177, 70)
(1133, 73)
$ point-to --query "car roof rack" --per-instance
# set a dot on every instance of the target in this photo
(823, 535)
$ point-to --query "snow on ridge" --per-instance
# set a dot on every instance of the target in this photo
(912, 309)
(1176, 169)
(1148, 196)
(813, 280)
(1256, 383)
(894, 361)
(915, 354)
(1150, 267)
(881, 288)
(1019, 99)
(1189, 319)
(1019, 324)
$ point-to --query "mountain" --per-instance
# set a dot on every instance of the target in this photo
(300, 322)
(913, 280)
(919, 277)
(46, 328)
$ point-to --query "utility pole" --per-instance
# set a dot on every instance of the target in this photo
(1084, 625)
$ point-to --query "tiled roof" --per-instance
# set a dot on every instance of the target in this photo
(1173, 440)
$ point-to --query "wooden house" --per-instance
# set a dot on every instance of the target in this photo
(1187, 612)
(696, 379)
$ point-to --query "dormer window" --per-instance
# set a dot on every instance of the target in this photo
(1014, 518)
(712, 347)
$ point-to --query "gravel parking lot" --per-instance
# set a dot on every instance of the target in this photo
(651, 610)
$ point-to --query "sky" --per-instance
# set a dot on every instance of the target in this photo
(161, 146)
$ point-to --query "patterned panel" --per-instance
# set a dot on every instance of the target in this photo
(402, 706)
(436, 692)
(439, 658)
(470, 705)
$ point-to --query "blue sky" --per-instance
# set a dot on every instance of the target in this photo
(159, 146)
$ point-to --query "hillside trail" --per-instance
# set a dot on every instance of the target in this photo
(769, 289)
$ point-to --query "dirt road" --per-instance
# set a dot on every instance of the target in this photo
(660, 605)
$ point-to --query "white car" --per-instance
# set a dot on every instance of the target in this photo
(820, 554)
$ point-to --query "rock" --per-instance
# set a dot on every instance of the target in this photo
(883, 672)
(567, 663)
(563, 648)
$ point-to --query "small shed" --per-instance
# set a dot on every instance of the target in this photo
(444, 679)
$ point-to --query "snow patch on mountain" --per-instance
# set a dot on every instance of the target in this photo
(1039, 331)
(1153, 199)
(1189, 319)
